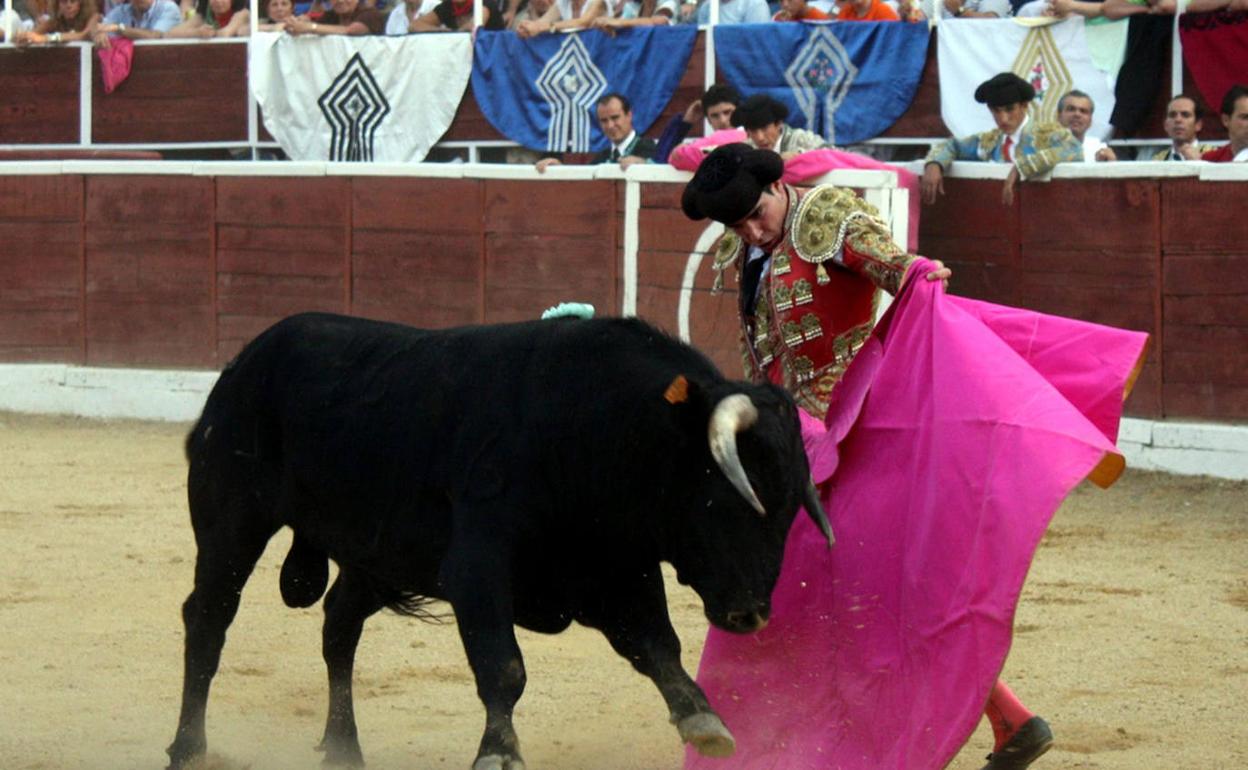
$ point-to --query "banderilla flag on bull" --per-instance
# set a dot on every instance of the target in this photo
(846, 82)
(541, 92)
(880, 653)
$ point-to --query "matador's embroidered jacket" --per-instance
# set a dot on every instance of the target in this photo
(1041, 146)
(815, 302)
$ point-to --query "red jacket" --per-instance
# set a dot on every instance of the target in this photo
(1221, 155)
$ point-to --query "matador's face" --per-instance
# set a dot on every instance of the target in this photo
(764, 225)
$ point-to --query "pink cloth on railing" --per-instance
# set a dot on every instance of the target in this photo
(957, 431)
(115, 62)
(808, 165)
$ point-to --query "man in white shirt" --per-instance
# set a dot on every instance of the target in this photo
(736, 12)
(1183, 123)
(1074, 111)
(139, 20)
(615, 118)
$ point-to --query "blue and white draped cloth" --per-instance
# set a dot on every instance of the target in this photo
(846, 82)
(541, 92)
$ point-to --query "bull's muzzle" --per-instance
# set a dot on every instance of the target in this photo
(746, 621)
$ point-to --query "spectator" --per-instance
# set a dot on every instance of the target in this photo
(348, 17)
(762, 117)
(799, 10)
(736, 12)
(565, 14)
(273, 15)
(665, 12)
(1088, 9)
(1235, 118)
(457, 15)
(215, 18)
(975, 9)
(405, 12)
(1032, 149)
(911, 11)
(526, 11)
(866, 10)
(24, 16)
(1183, 123)
(716, 105)
(615, 118)
(70, 20)
(1074, 111)
(138, 20)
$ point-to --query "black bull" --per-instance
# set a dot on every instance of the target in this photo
(532, 474)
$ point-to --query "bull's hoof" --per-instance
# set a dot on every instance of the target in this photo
(184, 752)
(707, 733)
(341, 753)
(498, 762)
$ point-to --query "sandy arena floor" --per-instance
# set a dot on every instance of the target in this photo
(1132, 637)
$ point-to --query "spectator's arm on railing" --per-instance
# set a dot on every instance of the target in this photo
(1063, 8)
(544, 24)
(1121, 9)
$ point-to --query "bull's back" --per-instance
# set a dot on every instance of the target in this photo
(363, 433)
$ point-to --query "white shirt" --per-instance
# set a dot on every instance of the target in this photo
(398, 22)
(1241, 156)
(1091, 146)
(1013, 141)
(621, 148)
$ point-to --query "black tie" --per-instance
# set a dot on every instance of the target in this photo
(615, 153)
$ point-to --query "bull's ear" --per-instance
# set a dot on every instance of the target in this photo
(678, 391)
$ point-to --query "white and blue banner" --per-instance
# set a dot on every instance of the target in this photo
(367, 98)
(846, 82)
(1052, 55)
(541, 92)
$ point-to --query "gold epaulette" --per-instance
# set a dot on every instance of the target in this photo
(988, 140)
(1047, 134)
(823, 216)
(725, 251)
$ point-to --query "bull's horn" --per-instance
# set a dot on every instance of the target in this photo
(815, 509)
(732, 415)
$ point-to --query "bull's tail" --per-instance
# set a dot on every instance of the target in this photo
(305, 574)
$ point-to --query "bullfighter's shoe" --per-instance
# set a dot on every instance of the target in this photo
(1028, 744)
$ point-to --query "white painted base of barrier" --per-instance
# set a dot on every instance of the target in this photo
(1194, 449)
(1187, 448)
(142, 394)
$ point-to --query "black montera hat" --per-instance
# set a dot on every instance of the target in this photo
(729, 182)
(1006, 88)
(758, 111)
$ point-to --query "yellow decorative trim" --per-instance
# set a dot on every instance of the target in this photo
(823, 215)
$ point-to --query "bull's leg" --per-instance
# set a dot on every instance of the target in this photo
(479, 589)
(347, 605)
(635, 621)
(229, 547)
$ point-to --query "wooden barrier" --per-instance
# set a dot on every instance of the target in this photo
(180, 269)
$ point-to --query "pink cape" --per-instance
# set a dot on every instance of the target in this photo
(954, 436)
(808, 165)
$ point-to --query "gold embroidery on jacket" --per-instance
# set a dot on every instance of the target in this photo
(783, 295)
(811, 328)
(803, 292)
(792, 331)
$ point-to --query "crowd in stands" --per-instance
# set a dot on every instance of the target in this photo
(1032, 147)
(42, 22)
